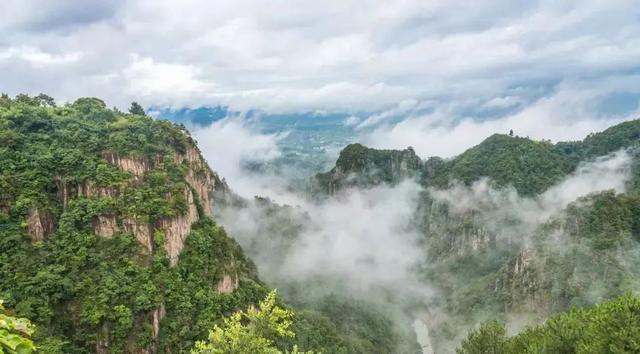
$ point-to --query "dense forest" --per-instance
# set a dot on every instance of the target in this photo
(106, 238)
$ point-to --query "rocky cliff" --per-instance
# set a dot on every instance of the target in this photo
(493, 247)
(360, 166)
(104, 206)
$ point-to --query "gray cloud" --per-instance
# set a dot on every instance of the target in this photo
(334, 56)
(36, 17)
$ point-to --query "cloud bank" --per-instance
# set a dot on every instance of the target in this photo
(306, 56)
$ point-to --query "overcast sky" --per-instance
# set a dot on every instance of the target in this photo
(542, 62)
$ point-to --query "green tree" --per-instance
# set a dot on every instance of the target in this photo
(488, 339)
(250, 331)
(609, 328)
(136, 108)
(46, 100)
(15, 334)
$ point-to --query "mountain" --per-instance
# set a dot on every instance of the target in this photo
(361, 166)
(106, 233)
(529, 166)
(111, 240)
(515, 229)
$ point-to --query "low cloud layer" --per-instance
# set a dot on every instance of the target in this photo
(230, 144)
(498, 208)
(362, 238)
(363, 243)
(570, 112)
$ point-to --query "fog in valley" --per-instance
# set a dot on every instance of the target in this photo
(367, 245)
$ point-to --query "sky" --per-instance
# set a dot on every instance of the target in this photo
(437, 75)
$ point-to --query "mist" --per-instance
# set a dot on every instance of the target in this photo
(366, 244)
(503, 206)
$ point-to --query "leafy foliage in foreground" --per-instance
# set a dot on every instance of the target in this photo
(15, 334)
(611, 327)
(252, 331)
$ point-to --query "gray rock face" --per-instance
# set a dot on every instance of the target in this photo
(361, 166)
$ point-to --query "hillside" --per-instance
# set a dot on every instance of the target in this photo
(520, 229)
(361, 166)
(106, 238)
(106, 233)
(611, 327)
(529, 166)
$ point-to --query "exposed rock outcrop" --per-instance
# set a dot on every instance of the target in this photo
(199, 177)
(521, 280)
(137, 166)
(157, 316)
(67, 191)
(141, 230)
(228, 284)
(89, 190)
(177, 228)
(361, 166)
(39, 224)
(105, 225)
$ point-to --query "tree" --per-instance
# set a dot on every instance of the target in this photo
(608, 328)
(511, 132)
(14, 334)
(46, 100)
(136, 108)
(250, 331)
(490, 338)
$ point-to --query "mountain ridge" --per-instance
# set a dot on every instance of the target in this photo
(530, 166)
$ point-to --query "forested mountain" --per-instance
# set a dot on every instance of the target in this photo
(360, 166)
(111, 241)
(530, 166)
(515, 229)
(106, 238)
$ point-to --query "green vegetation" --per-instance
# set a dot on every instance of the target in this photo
(106, 245)
(599, 257)
(82, 246)
(252, 331)
(15, 334)
(611, 327)
(529, 166)
(361, 166)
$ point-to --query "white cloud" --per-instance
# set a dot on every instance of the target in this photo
(230, 143)
(37, 57)
(163, 82)
(304, 56)
(500, 207)
(567, 114)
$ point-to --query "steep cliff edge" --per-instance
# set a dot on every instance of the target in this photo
(360, 166)
(499, 244)
(106, 234)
